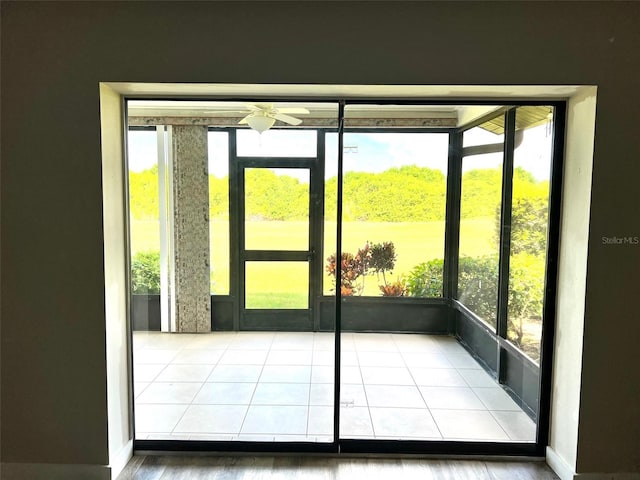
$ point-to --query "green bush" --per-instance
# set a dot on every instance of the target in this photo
(529, 217)
(145, 273)
(478, 287)
(425, 279)
(526, 292)
(478, 280)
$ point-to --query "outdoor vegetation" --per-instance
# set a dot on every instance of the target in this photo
(393, 237)
(145, 273)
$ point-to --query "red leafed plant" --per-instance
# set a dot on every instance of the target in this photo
(379, 258)
(353, 269)
(395, 289)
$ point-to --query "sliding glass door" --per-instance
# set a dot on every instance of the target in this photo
(380, 276)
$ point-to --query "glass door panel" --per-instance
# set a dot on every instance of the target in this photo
(393, 247)
(280, 210)
(276, 285)
(529, 232)
(480, 208)
(276, 209)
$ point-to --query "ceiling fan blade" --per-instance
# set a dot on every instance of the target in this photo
(294, 110)
(287, 119)
(265, 107)
(244, 120)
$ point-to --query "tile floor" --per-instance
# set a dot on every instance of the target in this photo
(261, 386)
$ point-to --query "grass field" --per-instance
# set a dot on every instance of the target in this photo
(415, 242)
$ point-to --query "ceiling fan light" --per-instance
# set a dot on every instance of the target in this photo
(260, 123)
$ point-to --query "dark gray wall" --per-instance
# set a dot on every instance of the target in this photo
(53, 56)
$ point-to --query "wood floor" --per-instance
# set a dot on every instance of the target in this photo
(323, 468)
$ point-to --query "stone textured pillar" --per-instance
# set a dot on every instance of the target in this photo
(192, 298)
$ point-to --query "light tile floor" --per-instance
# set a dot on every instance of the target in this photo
(261, 386)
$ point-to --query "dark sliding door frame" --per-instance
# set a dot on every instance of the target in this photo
(451, 250)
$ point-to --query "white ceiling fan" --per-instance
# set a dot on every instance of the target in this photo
(262, 116)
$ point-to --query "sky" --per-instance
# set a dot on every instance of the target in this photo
(368, 152)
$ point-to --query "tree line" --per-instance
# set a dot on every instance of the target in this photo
(403, 194)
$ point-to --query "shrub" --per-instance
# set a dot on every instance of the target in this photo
(526, 292)
(478, 287)
(395, 289)
(353, 269)
(145, 273)
(425, 279)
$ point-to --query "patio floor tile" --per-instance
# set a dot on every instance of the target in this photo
(453, 398)
(235, 373)
(286, 374)
(147, 373)
(198, 356)
(518, 425)
(281, 394)
(138, 388)
(155, 355)
(289, 357)
(386, 376)
(437, 377)
(353, 395)
(184, 373)
(320, 421)
(158, 418)
(355, 421)
(404, 423)
(496, 398)
(244, 357)
(468, 424)
(427, 360)
(322, 374)
(177, 393)
(350, 375)
(278, 386)
(394, 396)
(477, 378)
(380, 359)
(323, 357)
(262, 419)
(212, 419)
(321, 394)
(219, 393)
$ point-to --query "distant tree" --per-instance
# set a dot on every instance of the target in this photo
(529, 220)
(404, 194)
(529, 214)
(143, 194)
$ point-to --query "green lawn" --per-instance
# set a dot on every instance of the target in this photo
(415, 242)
